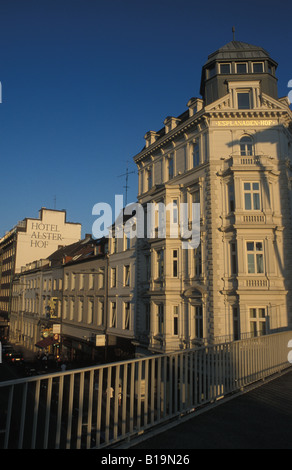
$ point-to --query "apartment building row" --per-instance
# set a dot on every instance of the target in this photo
(70, 303)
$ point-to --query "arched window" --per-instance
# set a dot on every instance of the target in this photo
(246, 145)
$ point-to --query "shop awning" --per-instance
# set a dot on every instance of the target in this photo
(45, 343)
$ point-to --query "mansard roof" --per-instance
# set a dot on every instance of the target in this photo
(238, 50)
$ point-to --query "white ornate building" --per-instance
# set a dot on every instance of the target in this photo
(231, 151)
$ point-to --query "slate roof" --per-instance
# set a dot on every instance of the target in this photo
(238, 50)
(77, 251)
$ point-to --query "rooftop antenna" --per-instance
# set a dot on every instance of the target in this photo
(127, 178)
(233, 32)
(55, 199)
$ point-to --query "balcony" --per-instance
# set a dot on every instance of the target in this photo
(253, 282)
(248, 163)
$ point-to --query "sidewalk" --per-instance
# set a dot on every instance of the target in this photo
(257, 419)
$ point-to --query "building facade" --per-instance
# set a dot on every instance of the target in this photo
(121, 298)
(230, 151)
(30, 240)
(84, 310)
(55, 303)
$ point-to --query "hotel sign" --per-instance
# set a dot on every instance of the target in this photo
(245, 122)
(43, 233)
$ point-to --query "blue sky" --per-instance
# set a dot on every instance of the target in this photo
(84, 80)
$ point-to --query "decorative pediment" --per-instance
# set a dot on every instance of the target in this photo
(223, 104)
(265, 103)
(270, 103)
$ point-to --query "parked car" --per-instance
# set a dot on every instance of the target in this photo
(7, 350)
(15, 357)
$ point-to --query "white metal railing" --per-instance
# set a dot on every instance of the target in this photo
(100, 405)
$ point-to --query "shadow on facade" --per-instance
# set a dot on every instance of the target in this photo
(278, 197)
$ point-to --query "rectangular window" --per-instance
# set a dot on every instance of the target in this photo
(225, 68)
(81, 281)
(114, 245)
(257, 317)
(149, 179)
(170, 168)
(246, 146)
(160, 319)
(128, 241)
(243, 100)
(175, 263)
(113, 315)
(127, 276)
(185, 159)
(127, 315)
(235, 314)
(160, 263)
(255, 257)
(100, 316)
(196, 155)
(233, 257)
(101, 278)
(251, 196)
(197, 261)
(212, 71)
(91, 281)
(80, 309)
(90, 311)
(73, 280)
(113, 277)
(175, 320)
(199, 322)
(258, 67)
(72, 308)
(65, 308)
(231, 197)
(241, 68)
(66, 281)
(174, 211)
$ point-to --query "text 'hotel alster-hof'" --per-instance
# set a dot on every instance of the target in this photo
(231, 151)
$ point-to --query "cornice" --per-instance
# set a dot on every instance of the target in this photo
(274, 110)
(180, 129)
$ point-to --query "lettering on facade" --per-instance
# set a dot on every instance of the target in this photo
(43, 233)
(249, 122)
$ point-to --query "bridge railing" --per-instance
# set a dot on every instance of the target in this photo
(97, 406)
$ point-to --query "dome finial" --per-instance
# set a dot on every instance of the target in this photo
(233, 31)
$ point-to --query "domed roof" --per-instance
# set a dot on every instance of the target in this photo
(237, 50)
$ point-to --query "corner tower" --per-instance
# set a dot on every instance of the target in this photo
(235, 62)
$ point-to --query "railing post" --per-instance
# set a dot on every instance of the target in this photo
(8, 419)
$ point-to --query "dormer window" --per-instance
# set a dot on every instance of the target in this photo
(241, 68)
(243, 100)
(258, 67)
(225, 68)
(212, 71)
